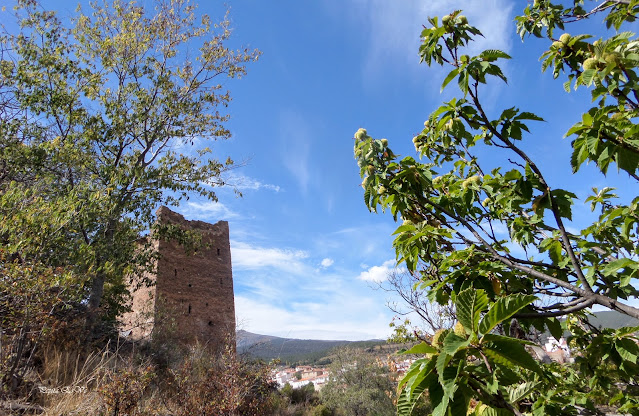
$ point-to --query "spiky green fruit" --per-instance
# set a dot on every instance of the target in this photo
(482, 410)
(446, 19)
(462, 19)
(590, 63)
(384, 142)
(438, 338)
(565, 38)
(557, 45)
(381, 190)
(448, 125)
(485, 202)
(361, 134)
(470, 181)
(459, 329)
(371, 169)
(611, 58)
(407, 222)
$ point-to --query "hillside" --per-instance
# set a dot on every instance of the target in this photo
(291, 350)
(612, 319)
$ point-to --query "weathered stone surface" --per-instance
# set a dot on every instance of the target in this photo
(192, 297)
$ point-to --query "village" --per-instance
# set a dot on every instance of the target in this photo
(299, 376)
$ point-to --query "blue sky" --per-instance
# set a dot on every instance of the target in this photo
(306, 251)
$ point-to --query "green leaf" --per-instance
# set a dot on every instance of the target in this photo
(408, 398)
(503, 309)
(554, 327)
(493, 54)
(470, 303)
(613, 267)
(520, 391)
(511, 353)
(439, 400)
(413, 370)
(453, 343)
(451, 75)
(587, 76)
(503, 338)
(422, 348)
(442, 362)
(627, 349)
(525, 115)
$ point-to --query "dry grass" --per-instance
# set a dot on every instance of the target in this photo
(126, 382)
(69, 380)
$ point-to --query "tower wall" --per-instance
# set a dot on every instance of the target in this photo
(193, 293)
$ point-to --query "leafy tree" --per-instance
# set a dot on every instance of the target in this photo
(360, 385)
(104, 118)
(451, 206)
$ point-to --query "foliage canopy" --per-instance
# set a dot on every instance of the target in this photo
(452, 209)
(102, 119)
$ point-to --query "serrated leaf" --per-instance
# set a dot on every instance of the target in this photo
(503, 338)
(407, 400)
(470, 303)
(442, 362)
(451, 75)
(503, 309)
(627, 349)
(587, 76)
(491, 411)
(554, 327)
(511, 353)
(614, 266)
(422, 348)
(520, 391)
(453, 343)
(492, 54)
(438, 399)
(413, 370)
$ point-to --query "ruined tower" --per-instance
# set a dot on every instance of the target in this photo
(192, 295)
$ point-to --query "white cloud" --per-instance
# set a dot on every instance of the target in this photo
(327, 262)
(296, 147)
(243, 182)
(339, 319)
(246, 256)
(394, 28)
(377, 273)
(209, 209)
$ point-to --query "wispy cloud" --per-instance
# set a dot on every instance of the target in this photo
(243, 182)
(393, 28)
(295, 135)
(247, 256)
(209, 209)
(377, 273)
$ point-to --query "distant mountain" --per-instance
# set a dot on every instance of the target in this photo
(290, 350)
(612, 319)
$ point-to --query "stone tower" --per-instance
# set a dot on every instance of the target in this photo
(192, 297)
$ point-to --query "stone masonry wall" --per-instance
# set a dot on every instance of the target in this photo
(193, 294)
